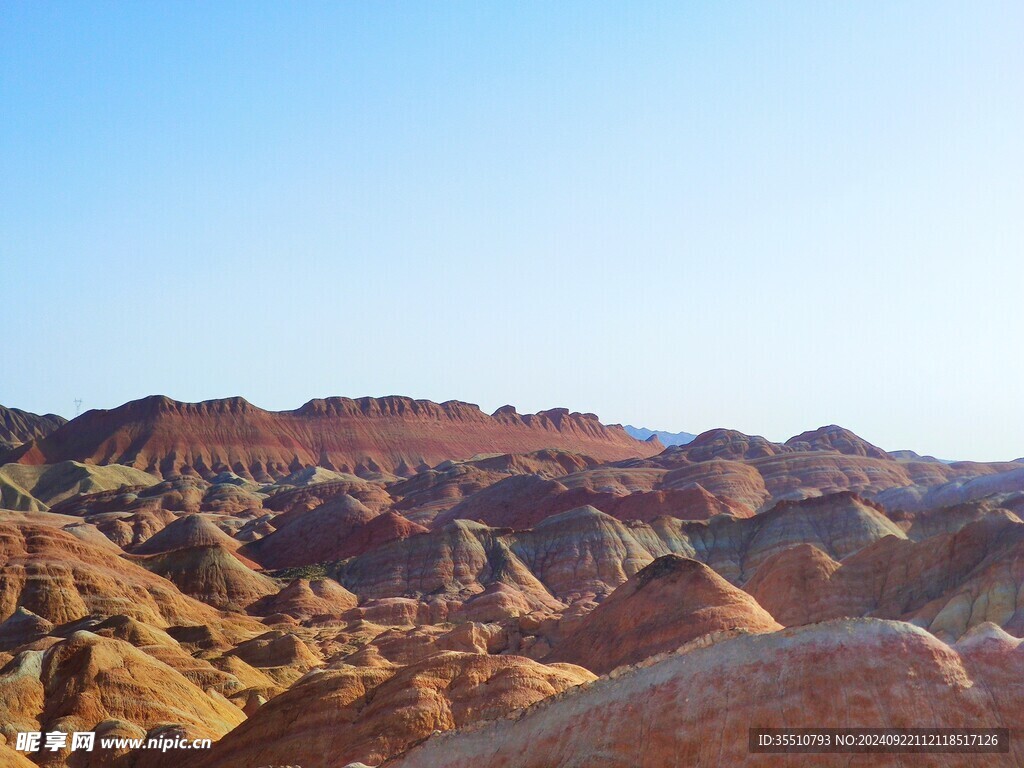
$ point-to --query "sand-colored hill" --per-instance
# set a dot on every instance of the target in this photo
(87, 679)
(184, 532)
(307, 599)
(62, 578)
(39, 487)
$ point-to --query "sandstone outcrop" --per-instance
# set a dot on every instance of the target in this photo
(369, 713)
(670, 602)
(18, 426)
(948, 583)
(38, 488)
(61, 578)
(366, 437)
(212, 574)
(694, 707)
(85, 680)
(307, 599)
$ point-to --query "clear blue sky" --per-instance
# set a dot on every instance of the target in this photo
(768, 216)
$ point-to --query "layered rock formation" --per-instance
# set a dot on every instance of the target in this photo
(307, 599)
(87, 680)
(339, 528)
(38, 488)
(212, 574)
(369, 713)
(694, 707)
(229, 495)
(835, 438)
(523, 501)
(578, 552)
(17, 426)
(61, 578)
(669, 603)
(369, 436)
(585, 552)
(749, 470)
(948, 583)
(185, 532)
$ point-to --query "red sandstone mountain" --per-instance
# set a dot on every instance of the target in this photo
(368, 436)
(522, 501)
(339, 528)
(670, 602)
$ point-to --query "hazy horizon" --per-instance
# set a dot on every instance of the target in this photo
(767, 218)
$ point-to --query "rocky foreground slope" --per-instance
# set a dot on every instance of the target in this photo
(694, 707)
(250, 588)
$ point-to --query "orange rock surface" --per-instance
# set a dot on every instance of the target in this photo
(85, 680)
(307, 599)
(337, 716)
(694, 707)
(61, 578)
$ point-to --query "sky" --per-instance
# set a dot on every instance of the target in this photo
(764, 216)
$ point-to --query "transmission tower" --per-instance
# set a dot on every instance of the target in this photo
(78, 406)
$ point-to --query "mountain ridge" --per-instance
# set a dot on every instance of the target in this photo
(368, 436)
